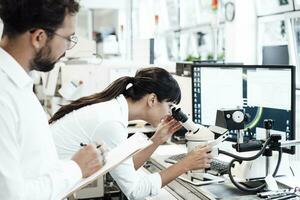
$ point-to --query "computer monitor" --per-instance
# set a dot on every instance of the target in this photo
(264, 92)
(275, 55)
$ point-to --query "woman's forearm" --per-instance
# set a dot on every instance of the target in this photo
(142, 156)
(173, 172)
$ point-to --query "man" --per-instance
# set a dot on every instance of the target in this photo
(36, 34)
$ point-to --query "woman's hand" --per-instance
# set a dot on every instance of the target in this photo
(199, 158)
(165, 130)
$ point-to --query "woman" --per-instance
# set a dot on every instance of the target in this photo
(104, 117)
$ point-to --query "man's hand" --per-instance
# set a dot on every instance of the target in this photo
(165, 130)
(90, 159)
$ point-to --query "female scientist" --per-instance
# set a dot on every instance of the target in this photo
(104, 116)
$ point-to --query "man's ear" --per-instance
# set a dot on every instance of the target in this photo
(38, 38)
(152, 99)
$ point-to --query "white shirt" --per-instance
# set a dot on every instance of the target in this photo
(104, 122)
(29, 167)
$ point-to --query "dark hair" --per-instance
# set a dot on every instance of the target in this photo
(19, 16)
(147, 80)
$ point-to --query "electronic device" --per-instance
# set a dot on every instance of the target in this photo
(219, 140)
(194, 128)
(218, 166)
(232, 119)
(175, 158)
(259, 95)
(185, 121)
(277, 54)
(260, 91)
(185, 104)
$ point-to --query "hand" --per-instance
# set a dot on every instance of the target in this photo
(165, 130)
(199, 158)
(90, 159)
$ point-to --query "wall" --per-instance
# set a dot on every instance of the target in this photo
(105, 17)
(240, 34)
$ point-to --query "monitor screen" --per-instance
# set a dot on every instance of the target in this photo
(263, 92)
(275, 55)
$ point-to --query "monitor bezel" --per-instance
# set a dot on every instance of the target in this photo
(293, 87)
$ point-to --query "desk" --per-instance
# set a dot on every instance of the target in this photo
(183, 190)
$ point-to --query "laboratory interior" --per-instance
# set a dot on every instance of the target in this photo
(237, 64)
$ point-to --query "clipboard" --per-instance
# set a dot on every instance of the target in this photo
(117, 155)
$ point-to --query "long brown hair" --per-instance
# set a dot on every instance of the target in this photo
(147, 80)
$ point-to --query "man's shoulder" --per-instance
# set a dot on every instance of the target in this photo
(7, 88)
(5, 81)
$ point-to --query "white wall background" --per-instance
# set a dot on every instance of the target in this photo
(240, 35)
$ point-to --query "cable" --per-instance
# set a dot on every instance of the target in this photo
(292, 171)
(254, 189)
(247, 158)
(240, 159)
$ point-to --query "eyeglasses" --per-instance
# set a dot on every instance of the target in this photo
(71, 40)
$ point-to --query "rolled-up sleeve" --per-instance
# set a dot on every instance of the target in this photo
(133, 184)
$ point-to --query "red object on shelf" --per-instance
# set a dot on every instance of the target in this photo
(156, 18)
(214, 4)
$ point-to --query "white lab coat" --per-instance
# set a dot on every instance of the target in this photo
(29, 166)
(104, 122)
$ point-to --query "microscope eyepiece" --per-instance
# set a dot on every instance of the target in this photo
(179, 115)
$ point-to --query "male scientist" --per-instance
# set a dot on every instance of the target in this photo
(36, 34)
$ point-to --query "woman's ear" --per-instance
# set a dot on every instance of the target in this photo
(152, 99)
(38, 38)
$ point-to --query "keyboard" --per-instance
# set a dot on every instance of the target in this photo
(175, 158)
(217, 167)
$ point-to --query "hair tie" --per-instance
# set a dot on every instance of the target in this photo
(131, 81)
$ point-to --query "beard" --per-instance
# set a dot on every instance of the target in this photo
(43, 61)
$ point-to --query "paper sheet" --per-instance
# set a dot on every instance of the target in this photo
(114, 157)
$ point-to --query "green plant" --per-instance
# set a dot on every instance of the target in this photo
(221, 56)
(210, 56)
(191, 58)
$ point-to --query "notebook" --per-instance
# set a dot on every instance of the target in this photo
(114, 157)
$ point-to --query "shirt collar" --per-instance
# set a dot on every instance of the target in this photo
(124, 108)
(14, 70)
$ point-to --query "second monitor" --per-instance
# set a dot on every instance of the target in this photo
(263, 92)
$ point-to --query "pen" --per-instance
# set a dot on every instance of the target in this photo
(282, 196)
(83, 145)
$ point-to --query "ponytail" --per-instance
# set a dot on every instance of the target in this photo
(146, 81)
(112, 91)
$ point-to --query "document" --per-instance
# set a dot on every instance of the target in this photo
(114, 157)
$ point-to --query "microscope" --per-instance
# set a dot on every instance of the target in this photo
(197, 136)
(234, 120)
(197, 129)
